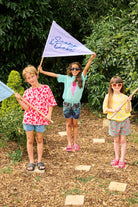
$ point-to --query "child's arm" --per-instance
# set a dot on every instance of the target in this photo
(49, 112)
(40, 69)
(88, 64)
(22, 104)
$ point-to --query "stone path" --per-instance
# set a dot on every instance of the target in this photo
(116, 186)
(78, 200)
(74, 200)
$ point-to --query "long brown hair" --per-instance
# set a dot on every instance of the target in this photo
(78, 77)
(114, 79)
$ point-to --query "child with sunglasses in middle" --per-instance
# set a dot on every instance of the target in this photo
(74, 83)
(119, 125)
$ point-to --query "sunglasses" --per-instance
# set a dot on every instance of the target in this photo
(75, 69)
(116, 84)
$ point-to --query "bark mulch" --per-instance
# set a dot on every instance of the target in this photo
(18, 187)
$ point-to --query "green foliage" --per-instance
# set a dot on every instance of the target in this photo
(84, 180)
(15, 156)
(114, 38)
(25, 26)
(11, 126)
(15, 83)
(74, 191)
(7, 170)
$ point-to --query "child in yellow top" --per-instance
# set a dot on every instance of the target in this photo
(119, 125)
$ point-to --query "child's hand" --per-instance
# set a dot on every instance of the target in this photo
(48, 116)
(40, 69)
(129, 98)
(18, 97)
(117, 109)
(94, 55)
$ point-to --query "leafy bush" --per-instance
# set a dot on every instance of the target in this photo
(15, 83)
(12, 127)
(114, 39)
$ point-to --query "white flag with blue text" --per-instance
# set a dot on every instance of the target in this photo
(61, 43)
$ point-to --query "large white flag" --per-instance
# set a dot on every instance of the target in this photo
(61, 43)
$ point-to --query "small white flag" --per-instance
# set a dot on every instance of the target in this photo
(5, 91)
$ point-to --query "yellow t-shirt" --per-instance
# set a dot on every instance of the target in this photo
(118, 100)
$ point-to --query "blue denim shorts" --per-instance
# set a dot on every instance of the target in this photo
(71, 110)
(37, 128)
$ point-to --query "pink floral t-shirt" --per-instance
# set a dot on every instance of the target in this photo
(41, 98)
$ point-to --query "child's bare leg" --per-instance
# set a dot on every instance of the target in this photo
(116, 147)
(30, 140)
(39, 140)
(123, 147)
(75, 130)
(68, 129)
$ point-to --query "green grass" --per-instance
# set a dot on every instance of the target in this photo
(84, 180)
(74, 191)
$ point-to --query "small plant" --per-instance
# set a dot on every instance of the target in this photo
(133, 200)
(37, 178)
(84, 180)
(7, 170)
(15, 156)
(72, 192)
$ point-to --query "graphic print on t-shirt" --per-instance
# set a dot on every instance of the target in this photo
(73, 87)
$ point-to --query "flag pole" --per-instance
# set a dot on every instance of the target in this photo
(41, 61)
(124, 103)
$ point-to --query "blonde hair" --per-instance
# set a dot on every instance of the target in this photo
(29, 69)
(114, 79)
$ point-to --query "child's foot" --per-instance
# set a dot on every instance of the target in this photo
(114, 162)
(41, 166)
(31, 167)
(121, 164)
(76, 147)
(69, 148)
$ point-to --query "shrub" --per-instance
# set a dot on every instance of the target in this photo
(15, 83)
(114, 39)
(12, 127)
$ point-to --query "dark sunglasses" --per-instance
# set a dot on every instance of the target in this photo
(117, 84)
(75, 69)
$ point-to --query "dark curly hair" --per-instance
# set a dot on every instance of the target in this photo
(78, 77)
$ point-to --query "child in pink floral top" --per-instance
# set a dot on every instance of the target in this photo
(41, 97)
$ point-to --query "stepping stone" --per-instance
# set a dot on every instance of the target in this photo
(74, 200)
(83, 167)
(98, 140)
(38, 171)
(62, 133)
(116, 186)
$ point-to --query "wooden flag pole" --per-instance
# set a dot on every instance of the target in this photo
(41, 61)
(124, 103)
(36, 109)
